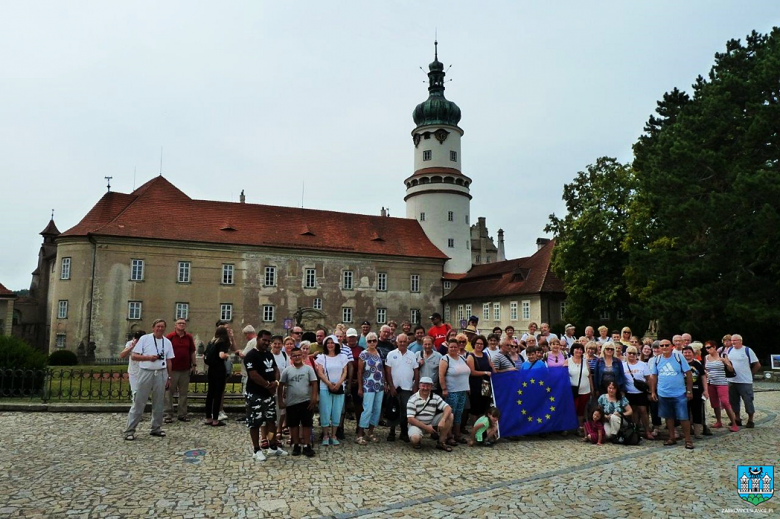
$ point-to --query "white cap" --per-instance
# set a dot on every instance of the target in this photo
(352, 333)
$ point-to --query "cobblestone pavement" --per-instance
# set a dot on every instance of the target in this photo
(54, 464)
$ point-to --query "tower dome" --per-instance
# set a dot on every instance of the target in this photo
(436, 109)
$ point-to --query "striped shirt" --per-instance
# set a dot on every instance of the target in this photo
(501, 362)
(716, 373)
(425, 410)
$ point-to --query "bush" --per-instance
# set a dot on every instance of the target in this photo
(17, 354)
(63, 358)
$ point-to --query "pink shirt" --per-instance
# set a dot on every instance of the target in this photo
(554, 360)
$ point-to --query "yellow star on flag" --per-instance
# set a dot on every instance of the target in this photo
(539, 420)
(549, 389)
(533, 381)
(552, 399)
(530, 418)
(547, 416)
(523, 411)
(525, 384)
(552, 408)
(519, 391)
(519, 402)
(541, 382)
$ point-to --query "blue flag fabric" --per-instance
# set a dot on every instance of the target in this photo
(534, 401)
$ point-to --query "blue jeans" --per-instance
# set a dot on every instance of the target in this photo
(675, 407)
(372, 409)
(330, 408)
(457, 402)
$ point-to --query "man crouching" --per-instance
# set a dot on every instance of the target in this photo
(427, 412)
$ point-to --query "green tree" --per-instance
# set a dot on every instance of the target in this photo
(588, 254)
(704, 234)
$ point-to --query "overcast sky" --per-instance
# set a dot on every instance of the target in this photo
(264, 96)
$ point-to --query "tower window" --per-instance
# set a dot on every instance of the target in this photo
(450, 242)
(422, 217)
(65, 269)
(427, 155)
(454, 156)
(450, 216)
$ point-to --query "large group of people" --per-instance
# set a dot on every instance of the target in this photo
(436, 382)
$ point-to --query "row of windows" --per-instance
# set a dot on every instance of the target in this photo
(450, 217)
(428, 155)
(492, 311)
(269, 278)
(182, 311)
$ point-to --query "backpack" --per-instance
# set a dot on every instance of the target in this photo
(208, 352)
(627, 434)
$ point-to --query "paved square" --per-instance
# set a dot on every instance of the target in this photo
(56, 464)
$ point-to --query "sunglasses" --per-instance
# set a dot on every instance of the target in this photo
(371, 340)
(710, 348)
(297, 333)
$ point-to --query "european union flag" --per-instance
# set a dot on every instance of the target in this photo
(534, 401)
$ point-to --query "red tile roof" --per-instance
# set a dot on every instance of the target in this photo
(450, 275)
(4, 292)
(51, 229)
(159, 210)
(531, 275)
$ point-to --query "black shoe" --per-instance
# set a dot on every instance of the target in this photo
(391, 436)
(707, 431)
(296, 450)
(308, 451)
(382, 423)
(405, 438)
(340, 433)
(739, 423)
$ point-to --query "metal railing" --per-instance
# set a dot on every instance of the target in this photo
(89, 385)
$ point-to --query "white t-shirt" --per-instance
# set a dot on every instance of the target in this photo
(333, 368)
(574, 376)
(132, 366)
(739, 358)
(402, 368)
(281, 360)
(149, 345)
(640, 371)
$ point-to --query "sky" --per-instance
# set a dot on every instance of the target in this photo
(313, 100)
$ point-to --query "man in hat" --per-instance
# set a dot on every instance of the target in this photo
(427, 412)
(439, 330)
(470, 332)
(568, 339)
(365, 328)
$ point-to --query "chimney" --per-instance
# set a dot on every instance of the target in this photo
(482, 227)
(501, 253)
(541, 242)
(383, 212)
(242, 198)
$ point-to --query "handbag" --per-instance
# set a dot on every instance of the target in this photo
(485, 391)
(628, 432)
(340, 390)
(641, 385)
(729, 370)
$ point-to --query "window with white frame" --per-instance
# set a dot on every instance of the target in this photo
(184, 272)
(226, 312)
(496, 311)
(60, 341)
(270, 277)
(563, 308)
(526, 306)
(451, 242)
(269, 313)
(381, 281)
(415, 316)
(422, 217)
(136, 270)
(309, 278)
(513, 311)
(346, 314)
(62, 309)
(468, 311)
(134, 310)
(447, 285)
(446, 313)
(317, 304)
(427, 155)
(453, 156)
(414, 283)
(381, 315)
(604, 315)
(450, 216)
(182, 311)
(347, 280)
(460, 313)
(486, 311)
(65, 269)
(228, 272)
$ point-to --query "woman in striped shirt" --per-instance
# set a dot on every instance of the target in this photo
(718, 385)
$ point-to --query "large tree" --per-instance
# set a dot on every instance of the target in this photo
(704, 235)
(588, 253)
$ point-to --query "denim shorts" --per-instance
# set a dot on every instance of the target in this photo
(673, 407)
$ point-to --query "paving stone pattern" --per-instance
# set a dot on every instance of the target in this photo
(75, 465)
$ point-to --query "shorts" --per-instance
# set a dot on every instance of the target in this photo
(637, 399)
(299, 415)
(416, 431)
(260, 410)
(674, 407)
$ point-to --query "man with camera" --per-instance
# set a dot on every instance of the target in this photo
(154, 354)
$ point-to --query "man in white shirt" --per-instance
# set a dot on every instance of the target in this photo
(402, 377)
(745, 365)
(545, 333)
(153, 352)
(569, 338)
(427, 412)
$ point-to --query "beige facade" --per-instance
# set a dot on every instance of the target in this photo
(110, 305)
(517, 310)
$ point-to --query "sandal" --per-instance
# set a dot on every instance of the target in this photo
(669, 443)
(451, 442)
(373, 438)
(130, 437)
(159, 434)
(689, 446)
(361, 441)
(443, 447)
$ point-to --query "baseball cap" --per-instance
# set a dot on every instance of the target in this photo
(426, 380)
(352, 333)
(365, 323)
(435, 315)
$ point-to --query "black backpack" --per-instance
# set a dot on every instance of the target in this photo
(628, 433)
(208, 352)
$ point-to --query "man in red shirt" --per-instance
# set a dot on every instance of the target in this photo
(183, 364)
(439, 330)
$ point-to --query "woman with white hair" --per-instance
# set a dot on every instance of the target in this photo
(371, 388)
(637, 372)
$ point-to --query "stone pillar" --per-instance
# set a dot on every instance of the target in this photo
(9, 318)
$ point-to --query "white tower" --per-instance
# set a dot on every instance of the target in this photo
(437, 194)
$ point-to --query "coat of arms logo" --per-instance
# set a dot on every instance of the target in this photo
(755, 484)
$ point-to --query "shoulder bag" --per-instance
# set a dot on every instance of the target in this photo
(641, 385)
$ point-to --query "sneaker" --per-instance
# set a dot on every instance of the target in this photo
(277, 452)
(717, 425)
(222, 416)
(259, 456)
(325, 442)
(750, 424)
(296, 450)
(739, 422)
(733, 428)
(308, 451)
(334, 442)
